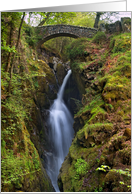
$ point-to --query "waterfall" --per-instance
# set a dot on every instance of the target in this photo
(60, 133)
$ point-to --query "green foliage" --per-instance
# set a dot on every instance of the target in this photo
(7, 48)
(95, 111)
(85, 19)
(81, 167)
(93, 105)
(97, 160)
(70, 18)
(60, 18)
(98, 190)
(3, 148)
(124, 172)
(35, 160)
(110, 106)
(99, 38)
(17, 102)
(122, 183)
(103, 168)
(104, 56)
(14, 103)
(58, 46)
(8, 20)
(12, 167)
(77, 48)
(120, 43)
(32, 35)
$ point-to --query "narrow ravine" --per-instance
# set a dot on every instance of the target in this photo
(60, 134)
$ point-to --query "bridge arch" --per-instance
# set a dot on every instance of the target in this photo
(52, 31)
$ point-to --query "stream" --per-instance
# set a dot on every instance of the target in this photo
(60, 134)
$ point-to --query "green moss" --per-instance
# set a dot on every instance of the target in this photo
(98, 115)
(117, 87)
(19, 162)
(74, 148)
(81, 167)
(43, 67)
(114, 177)
(123, 66)
(97, 127)
(96, 102)
(121, 43)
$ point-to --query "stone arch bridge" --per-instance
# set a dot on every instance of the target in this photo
(52, 31)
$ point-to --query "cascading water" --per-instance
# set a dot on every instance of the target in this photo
(61, 134)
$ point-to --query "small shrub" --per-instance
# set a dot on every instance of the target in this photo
(77, 48)
(32, 35)
(99, 37)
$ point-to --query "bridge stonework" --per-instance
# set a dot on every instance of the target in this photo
(52, 31)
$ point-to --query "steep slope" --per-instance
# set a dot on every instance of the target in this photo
(27, 86)
(99, 158)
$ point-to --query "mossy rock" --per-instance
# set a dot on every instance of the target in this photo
(85, 116)
(112, 177)
(94, 133)
(60, 71)
(78, 123)
(122, 42)
(117, 88)
(94, 105)
(127, 133)
(21, 168)
(44, 68)
(116, 142)
(117, 180)
(124, 156)
(98, 115)
(69, 179)
(43, 101)
(125, 105)
(79, 81)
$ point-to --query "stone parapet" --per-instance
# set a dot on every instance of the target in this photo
(52, 31)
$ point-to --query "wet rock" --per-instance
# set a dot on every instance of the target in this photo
(60, 72)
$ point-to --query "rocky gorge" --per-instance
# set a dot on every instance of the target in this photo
(98, 95)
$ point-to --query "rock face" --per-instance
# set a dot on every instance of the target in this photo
(119, 26)
(23, 167)
(99, 158)
(115, 27)
(24, 130)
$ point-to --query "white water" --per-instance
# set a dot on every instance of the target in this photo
(61, 134)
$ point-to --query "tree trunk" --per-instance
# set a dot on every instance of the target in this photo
(97, 19)
(17, 44)
(43, 21)
(10, 42)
